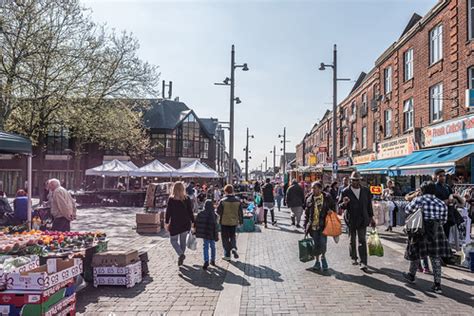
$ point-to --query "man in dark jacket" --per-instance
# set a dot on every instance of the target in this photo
(356, 200)
(206, 229)
(268, 201)
(295, 201)
(318, 205)
(231, 215)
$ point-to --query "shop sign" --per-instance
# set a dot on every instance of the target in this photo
(346, 162)
(323, 149)
(363, 159)
(397, 147)
(313, 160)
(375, 189)
(452, 131)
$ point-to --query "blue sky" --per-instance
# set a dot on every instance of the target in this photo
(282, 41)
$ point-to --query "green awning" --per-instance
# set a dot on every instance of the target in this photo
(14, 144)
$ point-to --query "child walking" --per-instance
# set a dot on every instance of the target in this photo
(206, 229)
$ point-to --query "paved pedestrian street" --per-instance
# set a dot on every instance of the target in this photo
(268, 279)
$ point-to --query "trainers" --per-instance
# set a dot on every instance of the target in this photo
(274, 223)
(298, 226)
(363, 267)
(234, 252)
(206, 264)
(437, 288)
(226, 258)
(181, 260)
(324, 263)
(213, 263)
(409, 277)
(266, 226)
(355, 262)
(426, 271)
(420, 269)
(317, 266)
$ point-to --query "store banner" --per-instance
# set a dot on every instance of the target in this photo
(452, 131)
(363, 159)
(396, 147)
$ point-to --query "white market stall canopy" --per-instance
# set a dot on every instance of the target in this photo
(196, 170)
(114, 168)
(153, 169)
(170, 167)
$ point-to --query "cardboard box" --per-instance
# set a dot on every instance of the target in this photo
(148, 228)
(131, 269)
(128, 281)
(22, 297)
(45, 276)
(148, 218)
(63, 307)
(36, 303)
(122, 276)
(115, 258)
(33, 264)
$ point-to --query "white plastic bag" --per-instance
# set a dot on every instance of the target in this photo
(191, 241)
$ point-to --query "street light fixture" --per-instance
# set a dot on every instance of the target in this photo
(247, 158)
(231, 82)
(335, 79)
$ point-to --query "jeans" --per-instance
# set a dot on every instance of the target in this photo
(179, 242)
(296, 213)
(61, 224)
(278, 200)
(360, 234)
(265, 213)
(435, 262)
(228, 239)
(208, 243)
(320, 243)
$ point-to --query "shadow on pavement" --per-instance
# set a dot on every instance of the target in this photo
(291, 231)
(259, 272)
(91, 295)
(424, 286)
(199, 277)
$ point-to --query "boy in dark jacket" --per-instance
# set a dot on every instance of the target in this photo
(206, 229)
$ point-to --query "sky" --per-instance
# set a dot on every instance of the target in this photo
(283, 43)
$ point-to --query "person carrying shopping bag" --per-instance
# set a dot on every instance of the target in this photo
(295, 201)
(231, 215)
(206, 228)
(317, 206)
(178, 219)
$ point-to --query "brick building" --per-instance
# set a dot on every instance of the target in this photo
(416, 91)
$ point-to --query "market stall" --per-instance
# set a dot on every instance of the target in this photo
(196, 169)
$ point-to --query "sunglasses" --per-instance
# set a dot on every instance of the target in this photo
(355, 180)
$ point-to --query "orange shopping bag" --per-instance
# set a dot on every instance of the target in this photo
(333, 226)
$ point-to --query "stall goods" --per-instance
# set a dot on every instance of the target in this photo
(143, 255)
(148, 223)
(27, 302)
(67, 306)
(123, 276)
(45, 276)
(115, 258)
(10, 264)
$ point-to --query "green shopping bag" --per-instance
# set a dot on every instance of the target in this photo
(374, 244)
(306, 247)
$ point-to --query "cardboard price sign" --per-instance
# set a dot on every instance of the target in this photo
(375, 189)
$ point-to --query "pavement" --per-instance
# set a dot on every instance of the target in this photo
(267, 279)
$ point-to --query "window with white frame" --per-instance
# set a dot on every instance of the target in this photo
(471, 77)
(436, 44)
(364, 137)
(353, 110)
(408, 114)
(470, 13)
(388, 123)
(408, 58)
(354, 137)
(364, 99)
(436, 102)
(387, 74)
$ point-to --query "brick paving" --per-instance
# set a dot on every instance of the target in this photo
(273, 280)
(281, 285)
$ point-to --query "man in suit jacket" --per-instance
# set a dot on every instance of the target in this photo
(356, 200)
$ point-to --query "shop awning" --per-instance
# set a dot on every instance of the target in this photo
(13, 144)
(379, 166)
(425, 162)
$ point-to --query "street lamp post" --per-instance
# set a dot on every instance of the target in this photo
(231, 82)
(284, 141)
(335, 79)
(274, 161)
(247, 156)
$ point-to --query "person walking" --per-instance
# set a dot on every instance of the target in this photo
(334, 191)
(318, 205)
(63, 206)
(20, 207)
(388, 194)
(295, 201)
(179, 218)
(433, 241)
(279, 196)
(206, 228)
(268, 202)
(231, 215)
(256, 188)
(356, 200)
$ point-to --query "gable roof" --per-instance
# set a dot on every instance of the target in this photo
(358, 81)
(415, 18)
(210, 124)
(165, 114)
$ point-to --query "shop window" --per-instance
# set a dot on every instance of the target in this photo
(388, 123)
(158, 143)
(436, 102)
(471, 76)
(408, 115)
(408, 59)
(354, 137)
(436, 44)
(57, 141)
(470, 23)
(364, 137)
(387, 74)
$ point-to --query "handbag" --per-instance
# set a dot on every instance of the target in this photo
(414, 223)
(333, 226)
(306, 249)
(191, 241)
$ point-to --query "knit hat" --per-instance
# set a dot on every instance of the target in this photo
(209, 206)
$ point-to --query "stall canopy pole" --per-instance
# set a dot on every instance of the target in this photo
(30, 180)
